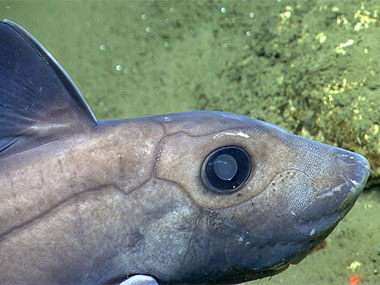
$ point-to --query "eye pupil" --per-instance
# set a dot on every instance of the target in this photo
(225, 167)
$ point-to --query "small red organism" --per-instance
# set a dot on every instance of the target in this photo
(320, 246)
(354, 280)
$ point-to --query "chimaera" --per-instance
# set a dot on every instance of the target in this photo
(196, 197)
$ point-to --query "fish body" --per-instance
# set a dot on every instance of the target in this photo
(196, 197)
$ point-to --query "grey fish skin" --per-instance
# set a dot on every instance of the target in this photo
(85, 201)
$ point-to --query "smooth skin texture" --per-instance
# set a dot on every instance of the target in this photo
(85, 201)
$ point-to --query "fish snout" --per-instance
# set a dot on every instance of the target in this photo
(337, 189)
(355, 169)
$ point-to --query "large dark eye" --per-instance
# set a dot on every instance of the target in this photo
(226, 169)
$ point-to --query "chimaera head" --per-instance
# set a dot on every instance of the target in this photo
(196, 197)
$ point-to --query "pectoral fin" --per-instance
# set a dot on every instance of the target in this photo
(140, 280)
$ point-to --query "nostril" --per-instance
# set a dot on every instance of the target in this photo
(325, 186)
(321, 185)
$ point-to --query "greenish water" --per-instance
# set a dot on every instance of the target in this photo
(280, 61)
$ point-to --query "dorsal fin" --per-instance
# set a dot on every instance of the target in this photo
(39, 102)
